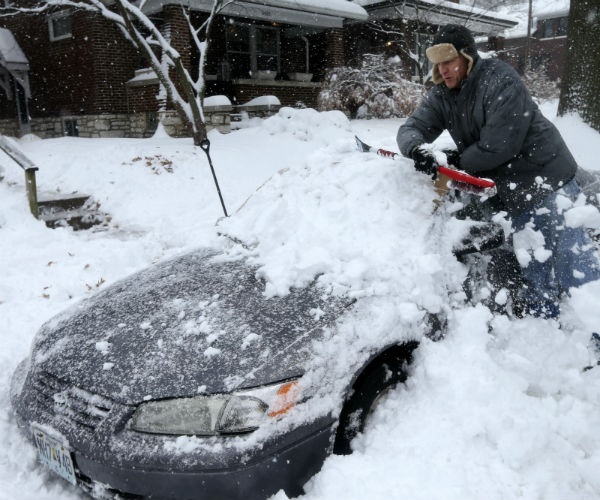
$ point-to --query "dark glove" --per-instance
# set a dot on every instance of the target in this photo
(424, 161)
(452, 157)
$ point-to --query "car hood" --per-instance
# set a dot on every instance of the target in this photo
(198, 323)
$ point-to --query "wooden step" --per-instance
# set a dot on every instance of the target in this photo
(78, 219)
(75, 210)
(52, 202)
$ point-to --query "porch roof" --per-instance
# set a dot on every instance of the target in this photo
(440, 12)
(316, 13)
(11, 55)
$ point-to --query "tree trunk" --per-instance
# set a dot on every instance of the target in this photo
(581, 83)
(528, 41)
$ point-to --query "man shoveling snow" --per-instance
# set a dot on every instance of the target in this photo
(500, 133)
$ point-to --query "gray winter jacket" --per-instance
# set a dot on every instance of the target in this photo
(499, 131)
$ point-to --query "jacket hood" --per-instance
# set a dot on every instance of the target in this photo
(195, 323)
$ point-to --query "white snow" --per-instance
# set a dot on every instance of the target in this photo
(144, 75)
(498, 409)
(10, 51)
(587, 216)
(217, 100)
(332, 7)
(265, 100)
(469, 9)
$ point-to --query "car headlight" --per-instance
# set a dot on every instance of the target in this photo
(239, 412)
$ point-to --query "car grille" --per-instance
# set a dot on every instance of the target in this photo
(61, 398)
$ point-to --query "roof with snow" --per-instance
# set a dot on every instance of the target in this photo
(440, 12)
(11, 55)
(550, 9)
(317, 13)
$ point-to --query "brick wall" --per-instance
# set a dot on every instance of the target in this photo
(142, 99)
(335, 48)
(84, 74)
(114, 63)
(176, 24)
(175, 28)
(550, 52)
(58, 70)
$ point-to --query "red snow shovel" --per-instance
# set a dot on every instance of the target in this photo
(455, 175)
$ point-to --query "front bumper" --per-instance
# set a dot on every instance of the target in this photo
(110, 459)
(287, 469)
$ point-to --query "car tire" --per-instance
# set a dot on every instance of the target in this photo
(367, 393)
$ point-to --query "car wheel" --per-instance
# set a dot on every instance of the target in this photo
(368, 391)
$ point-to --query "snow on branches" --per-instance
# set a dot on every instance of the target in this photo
(375, 90)
(540, 87)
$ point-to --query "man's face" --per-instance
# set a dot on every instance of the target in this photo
(453, 72)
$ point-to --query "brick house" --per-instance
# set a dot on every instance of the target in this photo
(548, 42)
(83, 78)
(397, 27)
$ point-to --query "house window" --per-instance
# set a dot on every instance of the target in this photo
(562, 26)
(548, 28)
(60, 25)
(151, 121)
(70, 128)
(252, 47)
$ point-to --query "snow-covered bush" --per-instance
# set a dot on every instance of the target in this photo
(542, 89)
(375, 90)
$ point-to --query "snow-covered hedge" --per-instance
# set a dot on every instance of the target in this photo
(375, 90)
(542, 89)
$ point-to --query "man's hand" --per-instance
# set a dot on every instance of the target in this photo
(424, 162)
(452, 157)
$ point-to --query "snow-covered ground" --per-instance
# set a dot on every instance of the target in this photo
(500, 413)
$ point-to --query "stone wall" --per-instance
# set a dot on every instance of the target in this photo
(119, 125)
(9, 127)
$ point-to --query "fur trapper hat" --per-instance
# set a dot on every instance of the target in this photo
(449, 42)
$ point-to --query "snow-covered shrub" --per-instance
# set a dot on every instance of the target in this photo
(542, 89)
(375, 90)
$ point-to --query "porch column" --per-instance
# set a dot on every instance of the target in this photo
(176, 30)
(334, 53)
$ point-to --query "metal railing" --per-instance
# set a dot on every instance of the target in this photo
(30, 169)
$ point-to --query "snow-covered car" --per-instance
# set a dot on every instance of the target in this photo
(116, 387)
(192, 379)
(186, 381)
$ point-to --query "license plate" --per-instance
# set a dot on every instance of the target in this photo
(53, 454)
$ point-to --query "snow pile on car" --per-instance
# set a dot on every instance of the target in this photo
(361, 223)
(362, 226)
(498, 398)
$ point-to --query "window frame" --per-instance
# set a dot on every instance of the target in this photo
(562, 23)
(252, 50)
(548, 28)
(56, 16)
(553, 27)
